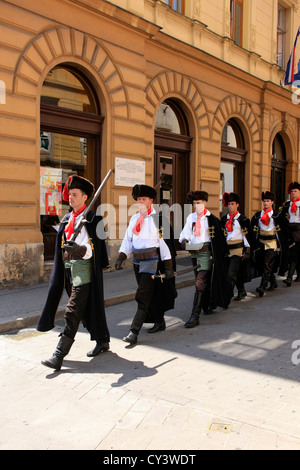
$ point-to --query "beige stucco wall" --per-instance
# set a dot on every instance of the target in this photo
(133, 67)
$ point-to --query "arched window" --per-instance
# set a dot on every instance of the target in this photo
(278, 170)
(233, 157)
(70, 142)
(172, 154)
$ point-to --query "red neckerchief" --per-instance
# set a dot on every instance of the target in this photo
(294, 205)
(69, 230)
(140, 220)
(198, 223)
(265, 217)
(228, 224)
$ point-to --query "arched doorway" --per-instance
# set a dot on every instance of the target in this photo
(278, 170)
(233, 158)
(70, 143)
(172, 146)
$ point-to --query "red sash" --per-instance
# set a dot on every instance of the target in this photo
(228, 224)
(265, 217)
(141, 219)
(198, 223)
(294, 205)
(69, 230)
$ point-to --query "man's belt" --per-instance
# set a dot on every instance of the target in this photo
(234, 246)
(267, 237)
(146, 254)
(204, 249)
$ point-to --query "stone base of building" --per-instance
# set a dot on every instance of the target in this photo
(21, 265)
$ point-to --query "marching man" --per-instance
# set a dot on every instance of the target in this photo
(151, 254)
(77, 267)
(204, 238)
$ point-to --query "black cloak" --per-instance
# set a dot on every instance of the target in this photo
(219, 292)
(96, 319)
(246, 271)
(164, 293)
(283, 240)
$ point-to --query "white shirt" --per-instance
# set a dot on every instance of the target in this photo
(148, 237)
(188, 230)
(294, 216)
(236, 233)
(83, 238)
(270, 226)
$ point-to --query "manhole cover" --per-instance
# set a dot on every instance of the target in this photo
(221, 427)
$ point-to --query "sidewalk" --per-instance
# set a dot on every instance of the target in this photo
(21, 307)
(231, 383)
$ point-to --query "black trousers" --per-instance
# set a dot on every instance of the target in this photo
(233, 266)
(295, 253)
(143, 297)
(145, 288)
(76, 309)
(269, 259)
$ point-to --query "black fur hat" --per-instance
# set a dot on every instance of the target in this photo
(77, 182)
(142, 190)
(197, 196)
(267, 195)
(293, 185)
(230, 197)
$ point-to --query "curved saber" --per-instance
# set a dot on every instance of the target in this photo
(184, 271)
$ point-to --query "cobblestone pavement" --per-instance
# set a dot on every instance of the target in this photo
(230, 383)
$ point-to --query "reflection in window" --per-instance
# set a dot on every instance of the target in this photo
(170, 118)
(178, 5)
(281, 34)
(232, 135)
(66, 89)
(60, 155)
(166, 119)
(278, 149)
(236, 21)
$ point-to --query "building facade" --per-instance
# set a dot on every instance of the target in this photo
(179, 94)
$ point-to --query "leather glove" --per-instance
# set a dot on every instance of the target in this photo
(183, 242)
(74, 251)
(168, 268)
(119, 261)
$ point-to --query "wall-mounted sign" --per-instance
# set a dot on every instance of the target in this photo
(129, 172)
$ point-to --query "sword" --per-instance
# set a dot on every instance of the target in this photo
(82, 219)
(184, 271)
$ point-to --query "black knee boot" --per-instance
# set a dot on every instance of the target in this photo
(241, 294)
(62, 349)
(288, 280)
(194, 318)
(263, 285)
(273, 282)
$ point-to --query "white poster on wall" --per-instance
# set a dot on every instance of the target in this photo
(129, 172)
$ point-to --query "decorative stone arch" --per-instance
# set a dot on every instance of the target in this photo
(235, 106)
(288, 132)
(168, 84)
(289, 135)
(67, 44)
